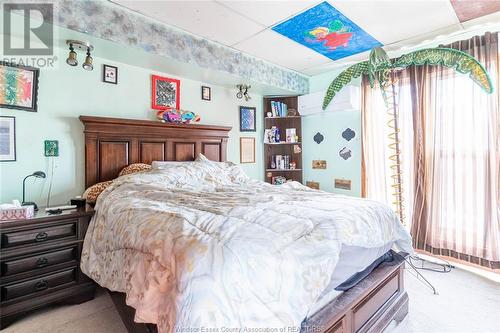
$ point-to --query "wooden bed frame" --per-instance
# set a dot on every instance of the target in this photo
(111, 144)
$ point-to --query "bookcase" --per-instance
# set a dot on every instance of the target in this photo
(290, 149)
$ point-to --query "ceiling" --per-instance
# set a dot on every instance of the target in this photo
(247, 25)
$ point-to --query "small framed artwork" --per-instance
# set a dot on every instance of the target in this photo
(7, 139)
(110, 74)
(313, 185)
(21, 87)
(206, 93)
(344, 184)
(165, 93)
(319, 164)
(247, 150)
(247, 119)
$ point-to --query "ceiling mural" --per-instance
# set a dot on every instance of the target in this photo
(326, 30)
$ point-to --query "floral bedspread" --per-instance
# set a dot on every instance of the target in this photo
(200, 246)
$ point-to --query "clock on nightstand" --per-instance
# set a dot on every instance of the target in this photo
(40, 262)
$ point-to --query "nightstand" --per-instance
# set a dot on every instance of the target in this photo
(40, 262)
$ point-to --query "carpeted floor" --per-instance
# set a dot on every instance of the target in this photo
(466, 303)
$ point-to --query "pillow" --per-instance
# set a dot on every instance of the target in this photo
(201, 158)
(93, 191)
(168, 164)
(134, 168)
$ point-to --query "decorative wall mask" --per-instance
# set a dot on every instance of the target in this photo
(345, 153)
(348, 134)
(318, 138)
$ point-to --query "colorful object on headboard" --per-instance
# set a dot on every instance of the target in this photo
(177, 116)
(379, 67)
(327, 31)
(165, 93)
(18, 87)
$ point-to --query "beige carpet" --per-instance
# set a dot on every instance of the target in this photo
(466, 303)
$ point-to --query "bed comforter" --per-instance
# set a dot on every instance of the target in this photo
(201, 247)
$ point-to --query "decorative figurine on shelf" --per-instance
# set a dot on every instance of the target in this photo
(177, 116)
(293, 165)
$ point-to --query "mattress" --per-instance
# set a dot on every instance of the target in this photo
(353, 259)
(203, 245)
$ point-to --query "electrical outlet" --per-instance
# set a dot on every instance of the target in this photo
(51, 148)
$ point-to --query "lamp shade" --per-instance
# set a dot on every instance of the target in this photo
(36, 174)
(39, 174)
(87, 65)
(72, 61)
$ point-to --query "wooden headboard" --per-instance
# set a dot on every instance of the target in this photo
(113, 143)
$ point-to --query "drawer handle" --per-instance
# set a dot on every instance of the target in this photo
(40, 237)
(42, 262)
(41, 285)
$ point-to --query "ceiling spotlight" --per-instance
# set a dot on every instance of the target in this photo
(243, 92)
(239, 94)
(72, 61)
(80, 46)
(247, 96)
(87, 65)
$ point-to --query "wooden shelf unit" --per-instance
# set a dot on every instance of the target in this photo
(283, 148)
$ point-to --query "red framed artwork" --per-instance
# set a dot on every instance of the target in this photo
(165, 93)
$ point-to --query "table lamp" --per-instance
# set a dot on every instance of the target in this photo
(37, 174)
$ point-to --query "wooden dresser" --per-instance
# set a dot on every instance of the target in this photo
(40, 262)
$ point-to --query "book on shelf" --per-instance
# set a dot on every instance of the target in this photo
(282, 162)
(278, 109)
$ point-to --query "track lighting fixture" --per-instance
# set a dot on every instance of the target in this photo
(80, 46)
(243, 92)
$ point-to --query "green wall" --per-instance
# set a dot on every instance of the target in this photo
(331, 125)
(68, 92)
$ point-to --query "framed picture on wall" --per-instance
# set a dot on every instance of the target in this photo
(110, 74)
(247, 119)
(206, 93)
(7, 139)
(165, 93)
(20, 84)
(247, 150)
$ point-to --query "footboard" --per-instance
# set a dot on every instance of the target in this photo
(368, 307)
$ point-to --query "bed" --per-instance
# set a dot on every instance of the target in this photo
(276, 271)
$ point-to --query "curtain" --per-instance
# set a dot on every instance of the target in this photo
(450, 138)
(376, 165)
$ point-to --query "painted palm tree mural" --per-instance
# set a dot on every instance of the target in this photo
(379, 68)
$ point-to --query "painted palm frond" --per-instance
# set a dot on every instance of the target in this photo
(460, 61)
(343, 79)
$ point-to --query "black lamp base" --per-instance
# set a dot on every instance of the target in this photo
(35, 207)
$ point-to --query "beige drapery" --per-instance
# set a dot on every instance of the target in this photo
(450, 139)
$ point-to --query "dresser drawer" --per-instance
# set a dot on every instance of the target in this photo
(40, 235)
(39, 260)
(39, 284)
